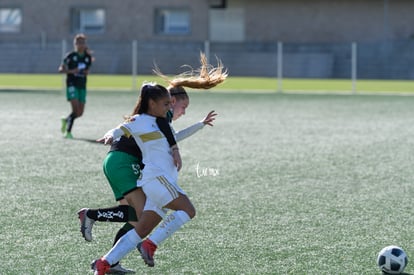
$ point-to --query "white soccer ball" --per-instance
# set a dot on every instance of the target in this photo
(392, 260)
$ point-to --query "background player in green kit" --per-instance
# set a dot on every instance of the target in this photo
(76, 66)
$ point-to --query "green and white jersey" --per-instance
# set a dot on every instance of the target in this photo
(75, 60)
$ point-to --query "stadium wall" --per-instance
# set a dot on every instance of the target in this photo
(392, 60)
(316, 36)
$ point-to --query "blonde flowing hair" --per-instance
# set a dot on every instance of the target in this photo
(205, 77)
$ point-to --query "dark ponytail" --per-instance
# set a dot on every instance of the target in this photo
(149, 91)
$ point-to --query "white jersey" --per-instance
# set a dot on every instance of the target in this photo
(185, 133)
(156, 152)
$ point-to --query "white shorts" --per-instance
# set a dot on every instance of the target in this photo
(151, 206)
(160, 191)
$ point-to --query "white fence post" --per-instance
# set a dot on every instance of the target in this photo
(43, 40)
(354, 67)
(134, 64)
(279, 67)
(207, 50)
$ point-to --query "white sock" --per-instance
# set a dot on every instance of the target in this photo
(169, 226)
(123, 246)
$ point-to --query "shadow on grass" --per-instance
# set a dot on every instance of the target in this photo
(87, 140)
(33, 91)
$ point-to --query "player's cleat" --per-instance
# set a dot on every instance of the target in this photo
(116, 269)
(119, 269)
(101, 267)
(68, 135)
(147, 250)
(64, 123)
(86, 224)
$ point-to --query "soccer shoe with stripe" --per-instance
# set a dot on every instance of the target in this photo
(68, 135)
(147, 249)
(116, 269)
(101, 267)
(86, 224)
(64, 123)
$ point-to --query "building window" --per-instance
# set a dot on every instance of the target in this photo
(88, 20)
(172, 21)
(10, 20)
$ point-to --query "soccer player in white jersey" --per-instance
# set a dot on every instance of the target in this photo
(159, 177)
(122, 174)
(205, 77)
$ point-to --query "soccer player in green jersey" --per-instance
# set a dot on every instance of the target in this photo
(208, 78)
(122, 167)
(76, 66)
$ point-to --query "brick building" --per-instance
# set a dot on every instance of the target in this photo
(241, 32)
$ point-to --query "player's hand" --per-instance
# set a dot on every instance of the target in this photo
(107, 140)
(209, 119)
(177, 159)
